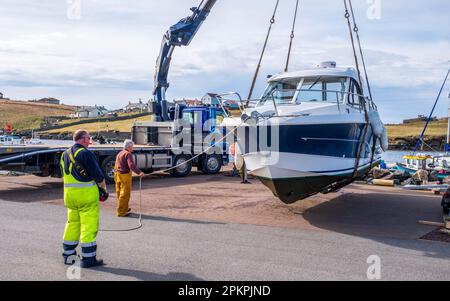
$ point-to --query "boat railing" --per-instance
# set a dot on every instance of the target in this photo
(359, 101)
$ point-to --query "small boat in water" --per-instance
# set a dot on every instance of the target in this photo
(10, 140)
(312, 131)
(433, 164)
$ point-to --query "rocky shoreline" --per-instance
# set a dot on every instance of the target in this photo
(408, 143)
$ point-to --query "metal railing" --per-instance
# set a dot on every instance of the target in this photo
(363, 103)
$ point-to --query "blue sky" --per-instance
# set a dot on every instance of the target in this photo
(107, 56)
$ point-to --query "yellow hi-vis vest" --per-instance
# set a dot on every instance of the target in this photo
(72, 184)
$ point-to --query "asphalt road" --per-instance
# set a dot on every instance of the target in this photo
(174, 249)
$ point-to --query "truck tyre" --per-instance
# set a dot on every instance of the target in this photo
(108, 169)
(212, 164)
(184, 169)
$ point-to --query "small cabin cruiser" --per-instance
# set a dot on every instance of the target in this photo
(10, 140)
(312, 131)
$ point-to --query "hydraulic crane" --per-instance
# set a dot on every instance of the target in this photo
(180, 34)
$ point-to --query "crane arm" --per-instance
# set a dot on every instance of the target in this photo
(180, 34)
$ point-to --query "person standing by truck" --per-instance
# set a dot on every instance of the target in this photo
(123, 172)
(82, 179)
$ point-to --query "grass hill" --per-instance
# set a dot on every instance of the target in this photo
(435, 129)
(26, 115)
(95, 126)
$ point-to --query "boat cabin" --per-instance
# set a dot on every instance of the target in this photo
(321, 85)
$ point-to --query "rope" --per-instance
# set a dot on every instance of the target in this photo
(163, 171)
(356, 30)
(292, 37)
(139, 219)
(431, 114)
(272, 21)
(432, 148)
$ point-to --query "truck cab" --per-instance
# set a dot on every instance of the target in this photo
(192, 138)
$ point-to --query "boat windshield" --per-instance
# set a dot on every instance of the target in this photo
(324, 89)
(306, 89)
(282, 91)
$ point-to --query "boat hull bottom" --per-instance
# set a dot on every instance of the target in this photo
(292, 190)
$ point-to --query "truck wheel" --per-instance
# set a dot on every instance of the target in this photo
(212, 164)
(184, 169)
(108, 169)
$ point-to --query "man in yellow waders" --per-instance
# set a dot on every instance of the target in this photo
(81, 174)
(123, 177)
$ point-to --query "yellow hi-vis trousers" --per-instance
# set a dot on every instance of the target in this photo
(123, 190)
(83, 212)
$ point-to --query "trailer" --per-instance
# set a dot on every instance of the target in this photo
(44, 160)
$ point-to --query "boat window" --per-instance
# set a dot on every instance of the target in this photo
(282, 91)
(355, 90)
(322, 89)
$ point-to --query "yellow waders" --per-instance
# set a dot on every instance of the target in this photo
(82, 202)
(123, 190)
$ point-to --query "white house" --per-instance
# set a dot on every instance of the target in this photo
(136, 107)
(89, 112)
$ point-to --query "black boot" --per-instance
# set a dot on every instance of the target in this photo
(89, 254)
(90, 262)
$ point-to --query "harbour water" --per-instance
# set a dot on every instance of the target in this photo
(397, 156)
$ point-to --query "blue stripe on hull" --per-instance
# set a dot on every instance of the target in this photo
(331, 140)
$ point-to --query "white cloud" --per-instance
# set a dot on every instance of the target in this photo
(115, 44)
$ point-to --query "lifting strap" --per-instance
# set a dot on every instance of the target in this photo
(347, 16)
(272, 21)
(363, 138)
(356, 30)
(286, 69)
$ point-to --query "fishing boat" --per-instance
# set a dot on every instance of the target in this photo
(414, 163)
(438, 165)
(312, 131)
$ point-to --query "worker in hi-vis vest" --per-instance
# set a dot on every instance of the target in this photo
(82, 179)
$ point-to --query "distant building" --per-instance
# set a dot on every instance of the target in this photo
(49, 100)
(215, 100)
(89, 112)
(136, 107)
(420, 118)
(1, 95)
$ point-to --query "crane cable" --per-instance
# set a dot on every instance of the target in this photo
(272, 21)
(356, 30)
(347, 16)
(292, 37)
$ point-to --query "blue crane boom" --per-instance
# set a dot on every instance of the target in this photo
(180, 34)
